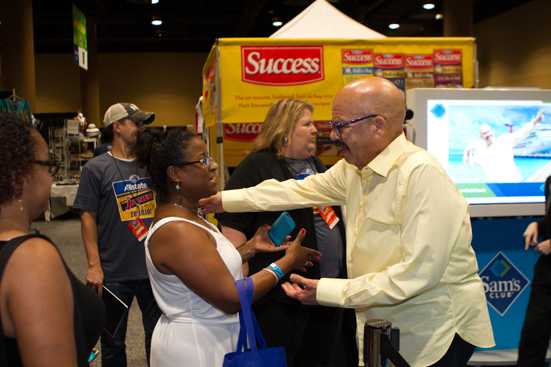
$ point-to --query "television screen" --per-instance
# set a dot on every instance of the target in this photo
(494, 144)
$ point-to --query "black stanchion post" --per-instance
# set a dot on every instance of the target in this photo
(381, 344)
(395, 337)
(376, 340)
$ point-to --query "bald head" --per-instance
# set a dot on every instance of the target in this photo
(374, 95)
(380, 100)
(486, 134)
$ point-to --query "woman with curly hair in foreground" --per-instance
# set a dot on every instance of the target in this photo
(48, 318)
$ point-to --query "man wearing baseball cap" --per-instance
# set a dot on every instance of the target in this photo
(116, 207)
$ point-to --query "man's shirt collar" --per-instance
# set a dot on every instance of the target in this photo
(382, 163)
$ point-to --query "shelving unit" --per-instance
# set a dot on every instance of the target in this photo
(71, 150)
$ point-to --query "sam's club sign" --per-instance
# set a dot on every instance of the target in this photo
(503, 283)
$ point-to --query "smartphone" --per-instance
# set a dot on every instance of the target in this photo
(281, 228)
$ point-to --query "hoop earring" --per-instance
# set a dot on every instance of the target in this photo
(178, 185)
(21, 205)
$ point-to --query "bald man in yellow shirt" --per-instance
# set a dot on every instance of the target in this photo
(408, 232)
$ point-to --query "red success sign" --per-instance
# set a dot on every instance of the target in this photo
(282, 65)
(447, 57)
(357, 56)
(241, 132)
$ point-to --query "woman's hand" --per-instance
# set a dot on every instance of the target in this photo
(543, 248)
(531, 235)
(261, 242)
(301, 257)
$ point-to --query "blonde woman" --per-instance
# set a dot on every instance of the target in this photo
(282, 151)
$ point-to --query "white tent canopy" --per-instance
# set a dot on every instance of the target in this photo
(323, 20)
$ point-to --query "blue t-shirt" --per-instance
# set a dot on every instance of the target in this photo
(119, 192)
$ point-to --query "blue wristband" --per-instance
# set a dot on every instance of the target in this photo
(276, 268)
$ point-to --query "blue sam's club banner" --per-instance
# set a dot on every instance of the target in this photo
(503, 283)
(489, 190)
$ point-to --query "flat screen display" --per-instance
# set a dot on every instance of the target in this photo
(494, 144)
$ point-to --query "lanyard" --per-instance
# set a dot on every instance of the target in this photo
(132, 193)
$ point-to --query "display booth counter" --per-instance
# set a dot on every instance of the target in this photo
(504, 357)
(62, 197)
(447, 123)
(506, 270)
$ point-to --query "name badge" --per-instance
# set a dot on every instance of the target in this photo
(138, 228)
(328, 215)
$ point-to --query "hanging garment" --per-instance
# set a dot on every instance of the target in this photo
(20, 108)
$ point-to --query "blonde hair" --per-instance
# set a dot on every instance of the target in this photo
(279, 124)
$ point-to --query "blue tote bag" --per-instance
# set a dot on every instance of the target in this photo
(256, 356)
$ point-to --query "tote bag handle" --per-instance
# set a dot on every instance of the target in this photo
(247, 318)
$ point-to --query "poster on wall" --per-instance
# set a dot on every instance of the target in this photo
(80, 40)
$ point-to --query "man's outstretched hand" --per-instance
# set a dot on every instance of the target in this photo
(211, 204)
(305, 295)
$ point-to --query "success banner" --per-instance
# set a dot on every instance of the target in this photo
(256, 72)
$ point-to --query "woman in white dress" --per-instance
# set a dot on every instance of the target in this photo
(192, 266)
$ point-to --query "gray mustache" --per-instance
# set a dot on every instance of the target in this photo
(340, 144)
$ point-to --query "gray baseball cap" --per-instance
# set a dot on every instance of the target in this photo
(123, 110)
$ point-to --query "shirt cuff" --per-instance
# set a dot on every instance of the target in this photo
(232, 201)
(330, 291)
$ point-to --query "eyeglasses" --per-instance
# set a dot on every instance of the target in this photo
(52, 167)
(205, 162)
(337, 127)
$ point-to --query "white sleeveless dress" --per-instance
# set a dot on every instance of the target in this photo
(191, 332)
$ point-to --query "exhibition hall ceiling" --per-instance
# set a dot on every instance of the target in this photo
(193, 25)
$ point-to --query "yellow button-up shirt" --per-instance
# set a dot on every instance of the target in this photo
(408, 252)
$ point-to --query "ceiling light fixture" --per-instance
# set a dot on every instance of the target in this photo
(439, 16)
(394, 26)
(153, 2)
(428, 6)
(276, 22)
(156, 21)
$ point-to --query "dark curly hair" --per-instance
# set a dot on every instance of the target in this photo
(159, 150)
(17, 148)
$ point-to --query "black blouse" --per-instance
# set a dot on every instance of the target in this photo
(254, 169)
(89, 317)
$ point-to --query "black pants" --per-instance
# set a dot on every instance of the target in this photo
(458, 354)
(310, 335)
(536, 331)
(113, 349)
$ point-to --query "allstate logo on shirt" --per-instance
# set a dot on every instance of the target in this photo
(503, 283)
(135, 198)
